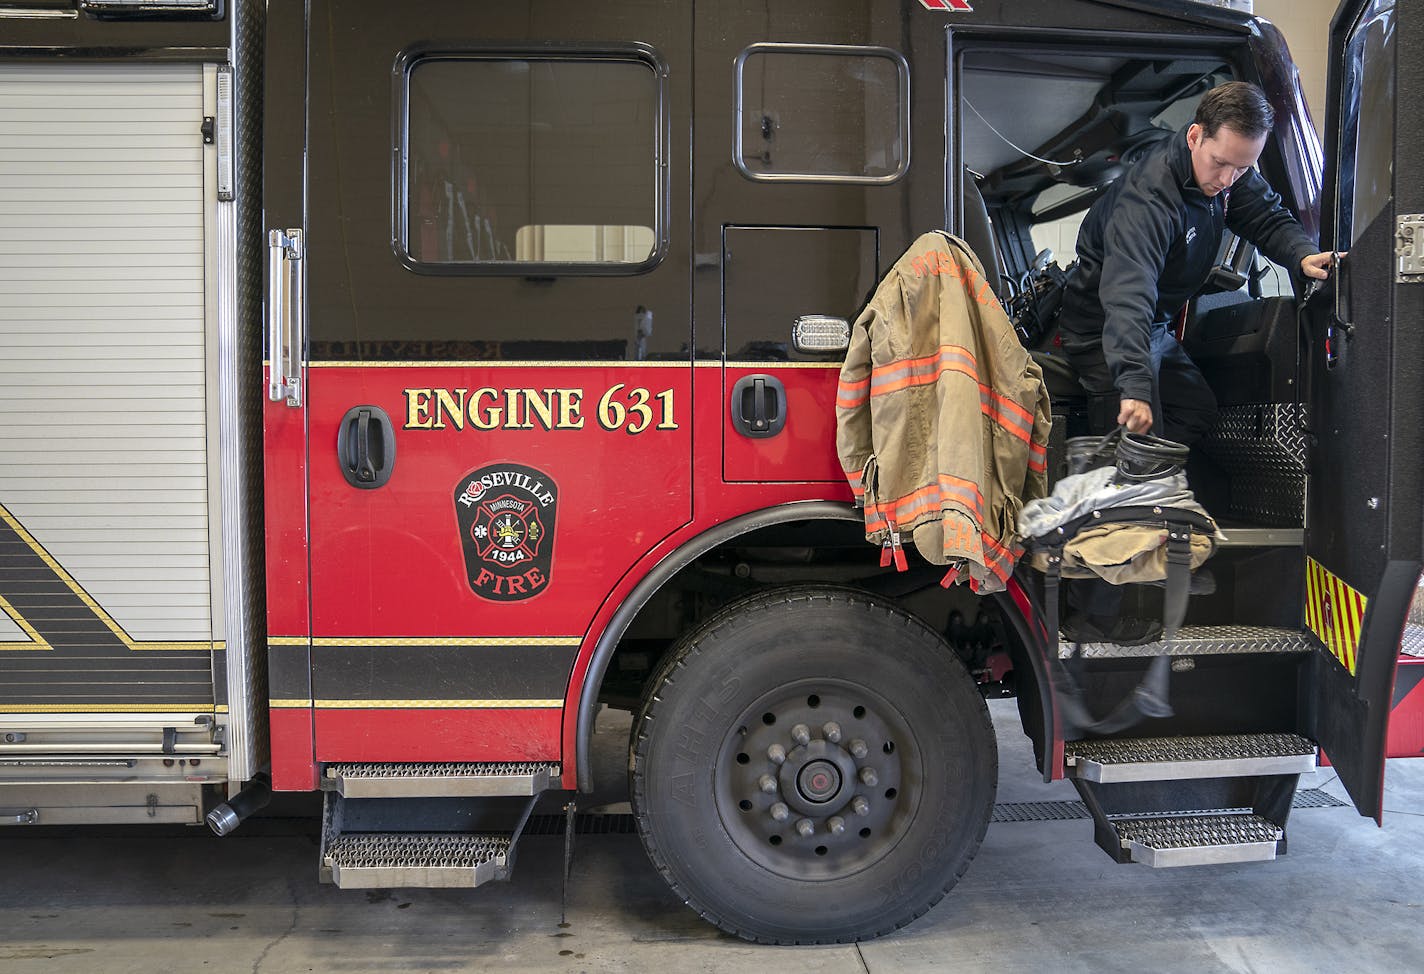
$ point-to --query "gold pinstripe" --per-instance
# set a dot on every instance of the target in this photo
(439, 704)
(495, 364)
(83, 596)
(106, 708)
(287, 703)
(770, 366)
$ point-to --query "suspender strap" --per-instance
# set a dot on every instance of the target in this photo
(1179, 577)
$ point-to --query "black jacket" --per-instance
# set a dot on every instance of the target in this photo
(1146, 248)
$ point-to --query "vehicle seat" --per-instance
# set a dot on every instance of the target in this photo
(979, 235)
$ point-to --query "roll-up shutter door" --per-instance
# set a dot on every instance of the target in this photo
(104, 550)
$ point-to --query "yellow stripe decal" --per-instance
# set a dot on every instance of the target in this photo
(106, 708)
(1335, 612)
(439, 704)
(286, 704)
(502, 364)
(83, 596)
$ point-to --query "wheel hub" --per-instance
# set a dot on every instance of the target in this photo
(818, 779)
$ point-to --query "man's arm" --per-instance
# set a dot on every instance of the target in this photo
(1138, 236)
(1255, 213)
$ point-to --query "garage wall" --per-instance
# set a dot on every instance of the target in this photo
(1306, 24)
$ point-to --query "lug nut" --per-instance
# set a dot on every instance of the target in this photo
(776, 754)
(858, 748)
(836, 824)
(869, 778)
(780, 812)
(767, 784)
(832, 730)
(801, 734)
(860, 806)
(805, 826)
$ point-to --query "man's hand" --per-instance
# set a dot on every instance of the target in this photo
(1136, 415)
(1318, 266)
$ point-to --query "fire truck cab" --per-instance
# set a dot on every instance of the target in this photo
(386, 388)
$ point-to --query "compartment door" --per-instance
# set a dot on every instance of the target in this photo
(1366, 384)
(498, 384)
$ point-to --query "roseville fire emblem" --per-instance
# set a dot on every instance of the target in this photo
(506, 517)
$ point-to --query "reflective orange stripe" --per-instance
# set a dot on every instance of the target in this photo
(922, 371)
(849, 395)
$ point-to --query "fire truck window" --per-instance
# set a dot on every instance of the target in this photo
(822, 114)
(1367, 138)
(513, 162)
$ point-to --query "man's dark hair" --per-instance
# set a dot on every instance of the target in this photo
(1240, 106)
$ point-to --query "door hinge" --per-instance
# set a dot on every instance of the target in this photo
(1409, 248)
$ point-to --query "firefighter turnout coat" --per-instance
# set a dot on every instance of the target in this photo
(942, 416)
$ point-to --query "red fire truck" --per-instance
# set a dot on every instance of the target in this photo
(385, 388)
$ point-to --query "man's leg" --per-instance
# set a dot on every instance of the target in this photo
(1188, 407)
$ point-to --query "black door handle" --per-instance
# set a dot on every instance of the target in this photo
(366, 446)
(758, 406)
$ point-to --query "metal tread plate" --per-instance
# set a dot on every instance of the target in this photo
(1201, 641)
(1177, 758)
(429, 859)
(1198, 840)
(439, 780)
(1413, 642)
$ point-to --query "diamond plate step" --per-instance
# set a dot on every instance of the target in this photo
(449, 780)
(1413, 642)
(1202, 641)
(385, 860)
(1179, 758)
(1198, 840)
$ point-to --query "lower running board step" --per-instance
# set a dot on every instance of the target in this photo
(386, 860)
(450, 780)
(1198, 840)
(1178, 758)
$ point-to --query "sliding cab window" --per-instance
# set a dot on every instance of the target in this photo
(822, 113)
(532, 166)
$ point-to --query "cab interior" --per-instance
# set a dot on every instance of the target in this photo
(1043, 133)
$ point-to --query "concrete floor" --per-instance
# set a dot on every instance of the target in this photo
(1040, 896)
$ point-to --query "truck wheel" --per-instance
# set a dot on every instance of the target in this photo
(812, 766)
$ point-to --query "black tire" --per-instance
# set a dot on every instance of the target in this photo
(743, 684)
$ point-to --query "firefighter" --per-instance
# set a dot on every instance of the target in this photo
(1149, 244)
(1145, 249)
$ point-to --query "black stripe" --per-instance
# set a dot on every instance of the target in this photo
(288, 673)
(441, 672)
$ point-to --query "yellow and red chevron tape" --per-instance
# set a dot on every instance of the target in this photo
(1335, 612)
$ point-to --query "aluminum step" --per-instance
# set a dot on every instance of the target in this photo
(385, 860)
(1179, 758)
(447, 780)
(1202, 641)
(1198, 840)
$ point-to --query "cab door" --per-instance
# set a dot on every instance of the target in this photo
(1366, 416)
(497, 366)
(820, 152)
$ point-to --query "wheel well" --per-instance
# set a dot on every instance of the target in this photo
(794, 545)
